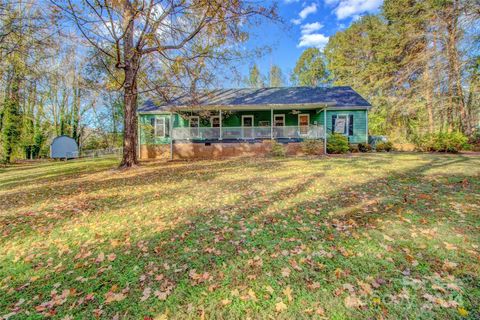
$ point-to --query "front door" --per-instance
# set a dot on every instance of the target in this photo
(303, 122)
(247, 127)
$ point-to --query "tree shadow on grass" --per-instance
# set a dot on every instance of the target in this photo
(216, 239)
(70, 184)
(50, 171)
(93, 207)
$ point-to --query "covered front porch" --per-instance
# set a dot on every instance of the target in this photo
(233, 125)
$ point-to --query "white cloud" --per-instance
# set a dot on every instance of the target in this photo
(312, 8)
(317, 40)
(296, 21)
(352, 8)
(311, 27)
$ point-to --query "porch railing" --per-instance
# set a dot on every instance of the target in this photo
(285, 132)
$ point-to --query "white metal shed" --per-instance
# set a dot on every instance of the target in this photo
(63, 147)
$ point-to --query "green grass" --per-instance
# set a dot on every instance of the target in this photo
(392, 236)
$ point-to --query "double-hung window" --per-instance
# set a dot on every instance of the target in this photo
(160, 127)
(343, 124)
(194, 124)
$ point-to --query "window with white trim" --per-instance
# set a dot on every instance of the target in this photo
(160, 127)
(341, 124)
(215, 121)
(194, 122)
(279, 120)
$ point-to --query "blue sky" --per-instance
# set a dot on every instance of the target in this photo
(309, 23)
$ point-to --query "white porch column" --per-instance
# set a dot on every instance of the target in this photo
(271, 123)
(170, 130)
(221, 133)
(325, 130)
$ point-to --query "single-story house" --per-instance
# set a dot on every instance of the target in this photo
(230, 122)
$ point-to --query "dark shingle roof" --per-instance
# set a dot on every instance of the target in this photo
(334, 96)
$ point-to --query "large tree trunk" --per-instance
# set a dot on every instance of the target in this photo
(130, 126)
(132, 62)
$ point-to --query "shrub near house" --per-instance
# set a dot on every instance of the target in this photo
(384, 146)
(312, 147)
(452, 142)
(337, 143)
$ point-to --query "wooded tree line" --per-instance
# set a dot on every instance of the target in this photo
(310, 70)
(49, 85)
(417, 62)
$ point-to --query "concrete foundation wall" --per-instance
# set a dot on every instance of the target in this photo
(186, 150)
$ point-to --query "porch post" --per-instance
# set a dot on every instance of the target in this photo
(366, 126)
(271, 123)
(170, 129)
(325, 130)
(221, 133)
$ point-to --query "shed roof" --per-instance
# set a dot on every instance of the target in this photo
(340, 97)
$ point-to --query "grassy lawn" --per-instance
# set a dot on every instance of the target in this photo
(393, 236)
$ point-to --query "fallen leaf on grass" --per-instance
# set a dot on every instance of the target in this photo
(353, 302)
(146, 294)
(280, 306)
(100, 258)
(161, 295)
(437, 287)
(252, 295)
(448, 265)
(114, 297)
(269, 289)
(441, 302)
(288, 293)
(313, 286)
(424, 196)
(366, 288)
(449, 246)
(462, 312)
(387, 238)
(295, 265)
(286, 272)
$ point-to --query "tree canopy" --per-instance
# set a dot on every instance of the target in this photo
(415, 62)
(310, 69)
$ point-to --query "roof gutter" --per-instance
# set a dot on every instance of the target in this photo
(331, 106)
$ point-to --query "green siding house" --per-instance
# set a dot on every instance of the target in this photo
(229, 122)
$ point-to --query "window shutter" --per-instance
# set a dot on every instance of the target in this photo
(334, 119)
(350, 125)
(167, 127)
(152, 123)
